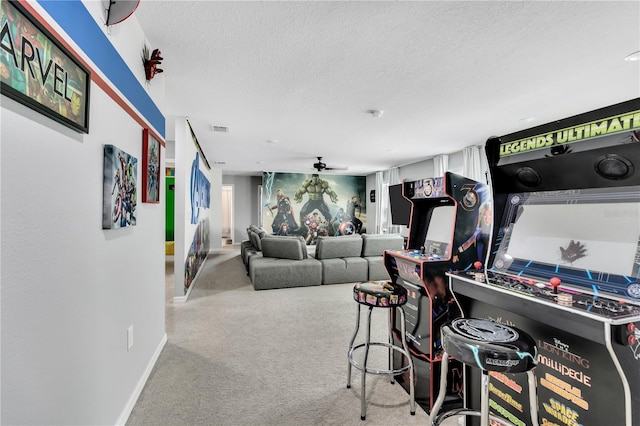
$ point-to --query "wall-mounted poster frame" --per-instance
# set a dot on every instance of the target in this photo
(119, 188)
(151, 168)
(39, 72)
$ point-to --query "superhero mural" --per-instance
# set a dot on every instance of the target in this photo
(313, 204)
(200, 195)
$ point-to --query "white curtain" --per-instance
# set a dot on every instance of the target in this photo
(440, 164)
(382, 203)
(474, 163)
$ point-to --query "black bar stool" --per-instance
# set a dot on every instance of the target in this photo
(380, 295)
(489, 346)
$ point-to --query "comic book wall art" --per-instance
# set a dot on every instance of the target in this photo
(197, 253)
(151, 168)
(119, 188)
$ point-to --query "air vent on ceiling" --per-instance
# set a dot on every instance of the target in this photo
(222, 129)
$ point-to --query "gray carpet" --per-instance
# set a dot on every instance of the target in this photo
(236, 356)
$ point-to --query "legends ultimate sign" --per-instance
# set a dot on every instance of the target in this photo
(36, 70)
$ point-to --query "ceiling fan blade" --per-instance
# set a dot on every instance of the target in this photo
(336, 168)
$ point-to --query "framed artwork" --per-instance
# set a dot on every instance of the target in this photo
(119, 188)
(37, 71)
(151, 167)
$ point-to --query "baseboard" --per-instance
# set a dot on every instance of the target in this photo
(143, 380)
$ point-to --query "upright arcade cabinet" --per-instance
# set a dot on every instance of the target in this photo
(564, 267)
(449, 228)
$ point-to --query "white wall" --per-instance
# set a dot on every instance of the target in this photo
(245, 203)
(70, 290)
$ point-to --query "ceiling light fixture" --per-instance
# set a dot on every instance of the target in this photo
(376, 113)
(272, 141)
(635, 56)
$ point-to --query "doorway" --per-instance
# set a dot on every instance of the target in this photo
(227, 215)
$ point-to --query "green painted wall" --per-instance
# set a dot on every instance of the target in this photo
(170, 190)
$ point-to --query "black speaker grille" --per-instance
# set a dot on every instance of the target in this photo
(613, 166)
(528, 176)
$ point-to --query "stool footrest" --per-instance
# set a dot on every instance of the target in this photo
(370, 370)
(468, 412)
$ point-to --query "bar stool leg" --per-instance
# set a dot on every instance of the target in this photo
(412, 397)
(444, 366)
(533, 397)
(363, 398)
(393, 378)
(353, 339)
(484, 399)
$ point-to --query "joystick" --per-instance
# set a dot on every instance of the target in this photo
(555, 283)
(478, 275)
(422, 250)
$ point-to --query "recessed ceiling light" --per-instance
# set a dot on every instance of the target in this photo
(527, 119)
(392, 150)
(377, 113)
(272, 141)
(635, 56)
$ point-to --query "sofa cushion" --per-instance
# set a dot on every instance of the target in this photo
(344, 270)
(269, 273)
(282, 247)
(256, 238)
(376, 244)
(337, 247)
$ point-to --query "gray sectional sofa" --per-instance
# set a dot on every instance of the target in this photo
(281, 262)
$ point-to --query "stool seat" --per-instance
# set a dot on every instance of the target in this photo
(489, 345)
(379, 294)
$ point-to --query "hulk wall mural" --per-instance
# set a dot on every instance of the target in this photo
(313, 204)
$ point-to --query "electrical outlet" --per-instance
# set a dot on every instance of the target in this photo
(129, 337)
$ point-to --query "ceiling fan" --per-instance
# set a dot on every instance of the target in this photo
(320, 166)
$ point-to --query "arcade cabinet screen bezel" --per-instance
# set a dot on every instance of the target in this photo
(608, 200)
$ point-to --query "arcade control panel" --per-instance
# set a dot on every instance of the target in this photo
(596, 304)
(423, 255)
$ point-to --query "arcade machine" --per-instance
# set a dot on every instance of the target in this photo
(449, 229)
(564, 267)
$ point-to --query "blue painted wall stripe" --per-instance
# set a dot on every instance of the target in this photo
(77, 22)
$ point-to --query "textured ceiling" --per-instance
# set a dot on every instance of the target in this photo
(447, 74)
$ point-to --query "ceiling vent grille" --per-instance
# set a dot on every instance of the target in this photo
(222, 129)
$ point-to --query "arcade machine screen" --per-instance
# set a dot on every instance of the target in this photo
(440, 231)
(589, 238)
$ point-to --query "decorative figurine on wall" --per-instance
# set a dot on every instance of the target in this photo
(151, 62)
